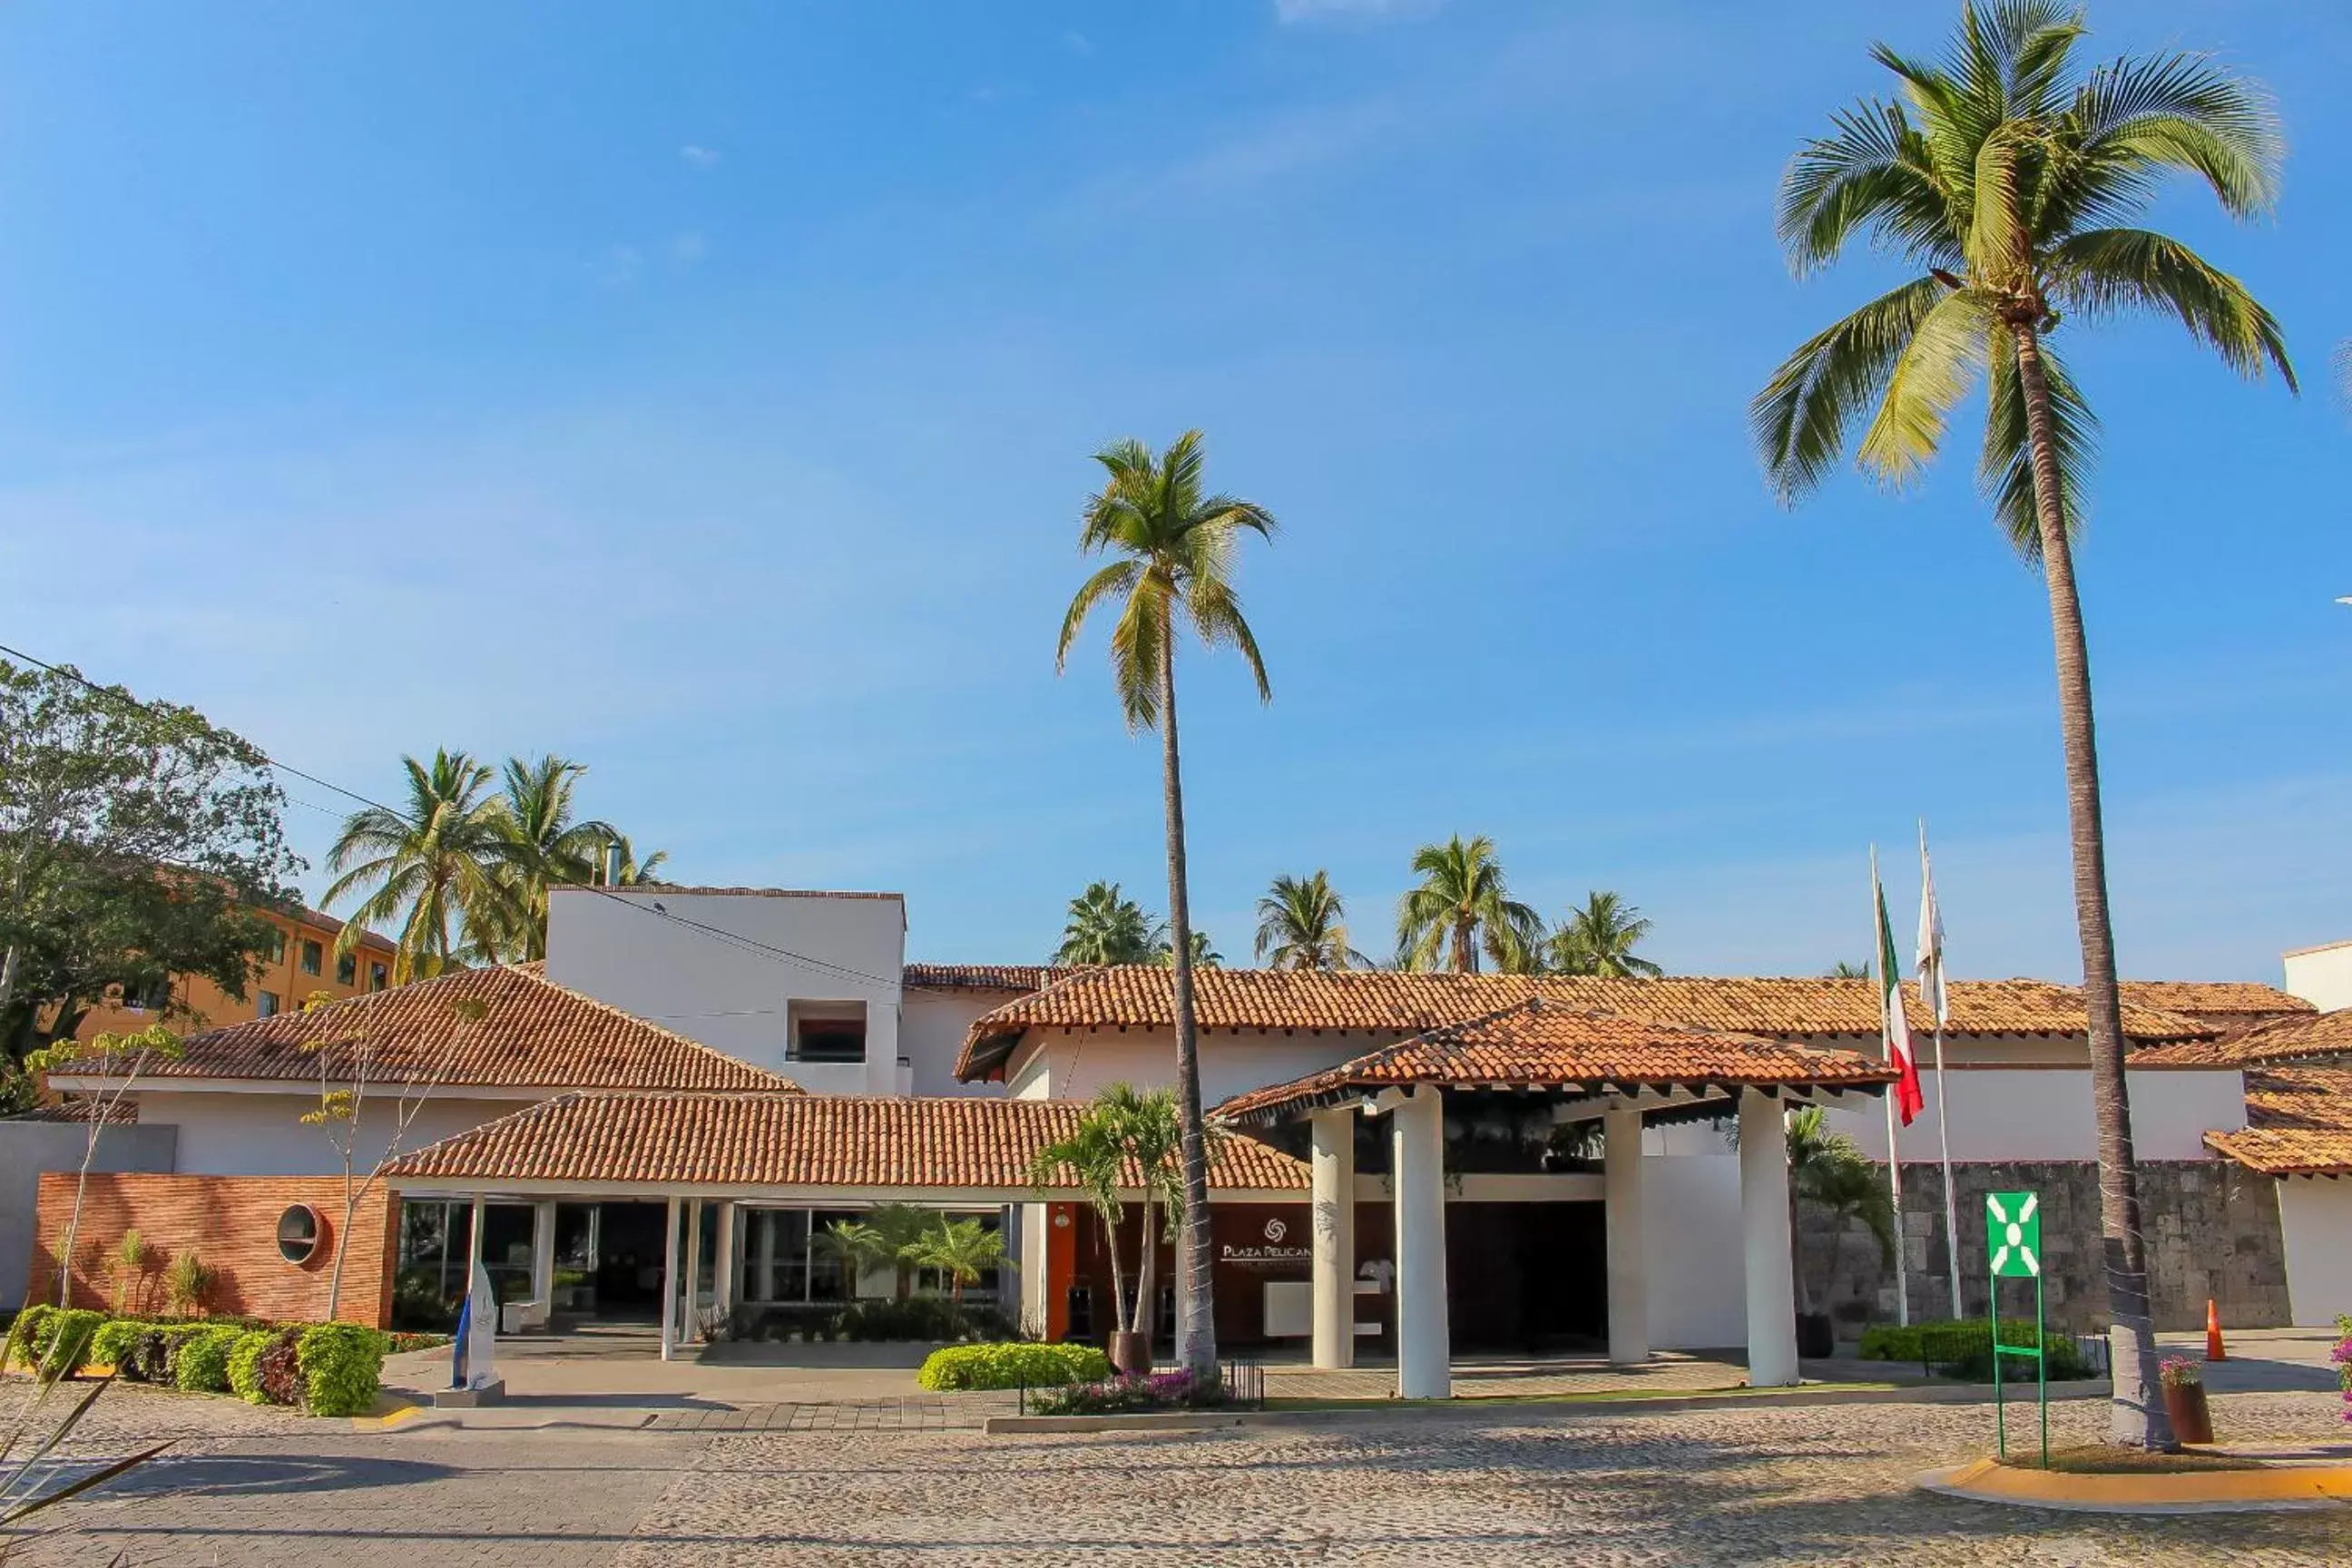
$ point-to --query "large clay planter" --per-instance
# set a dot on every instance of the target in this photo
(1130, 1353)
(1816, 1336)
(2192, 1419)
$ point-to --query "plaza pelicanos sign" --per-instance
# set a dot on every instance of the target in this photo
(1275, 1251)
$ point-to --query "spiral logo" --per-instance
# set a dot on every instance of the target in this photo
(1275, 1230)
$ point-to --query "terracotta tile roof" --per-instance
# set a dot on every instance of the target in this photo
(533, 1034)
(688, 889)
(1138, 997)
(2226, 1007)
(2302, 1037)
(1021, 977)
(304, 915)
(2298, 1123)
(602, 1138)
(1537, 1044)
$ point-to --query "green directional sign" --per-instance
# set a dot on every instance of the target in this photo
(2014, 1234)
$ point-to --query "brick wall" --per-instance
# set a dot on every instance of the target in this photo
(2211, 1226)
(231, 1223)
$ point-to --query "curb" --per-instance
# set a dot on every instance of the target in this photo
(2283, 1489)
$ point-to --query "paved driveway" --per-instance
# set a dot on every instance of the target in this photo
(1714, 1487)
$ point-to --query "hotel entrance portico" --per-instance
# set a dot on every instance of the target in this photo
(1524, 1085)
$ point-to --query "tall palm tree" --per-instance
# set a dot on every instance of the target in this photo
(432, 867)
(1301, 924)
(1600, 938)
(540, 846)
(1176, 544)
(1204, 952)
(1462, 907)
(2001, 174)
(1105, 926)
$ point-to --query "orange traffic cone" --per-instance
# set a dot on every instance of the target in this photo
(2213, 1350)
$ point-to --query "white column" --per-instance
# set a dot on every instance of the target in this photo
(764, 1253)
(1036, 1222)
(722, 1286)
(473, 1240)
(1764, 1228)
(542, 1253)
(669, 1283)
(1334, 1167)
(1629, 1283)
(690, 1327)
(1417, 1158)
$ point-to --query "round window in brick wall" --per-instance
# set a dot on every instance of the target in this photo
(298, 1233)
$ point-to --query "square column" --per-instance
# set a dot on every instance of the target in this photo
(1764, 1233)
(690, 1326)
(1424, 1337)
(542, 1255)
(722, 1283)
(1629, 1283)
(1334, 1168)
(669, 1283)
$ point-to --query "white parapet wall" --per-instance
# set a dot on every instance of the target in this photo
(2321, 975)
(2316, 1219)
(2044, 1113)
(1690, 1223)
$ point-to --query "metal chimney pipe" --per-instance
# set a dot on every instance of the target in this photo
(612, 864)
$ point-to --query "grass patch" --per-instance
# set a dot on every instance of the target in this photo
(2100, 1459)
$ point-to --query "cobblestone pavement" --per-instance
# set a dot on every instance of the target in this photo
(932, 1412)
(1511, 1379)
(1719, 1486)
(1804, 1485)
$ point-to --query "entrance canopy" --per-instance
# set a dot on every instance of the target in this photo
(1584, 1061)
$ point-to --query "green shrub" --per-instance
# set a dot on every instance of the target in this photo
(65, 1347)
(342, 1365)
(244, 1365)
(27, 1336)
(110, 1345)
(1963, 1349)
(281, 1368)
(1012, 1367)
(204, 1360)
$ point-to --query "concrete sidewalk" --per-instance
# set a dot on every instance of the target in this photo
(2261, 1360)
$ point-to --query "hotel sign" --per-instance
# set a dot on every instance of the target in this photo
(1274, 1249)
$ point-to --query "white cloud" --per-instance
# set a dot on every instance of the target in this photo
(1296, 11)
(698, 157)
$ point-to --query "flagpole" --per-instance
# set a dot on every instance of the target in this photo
(1893, 985)
(1943, 1123)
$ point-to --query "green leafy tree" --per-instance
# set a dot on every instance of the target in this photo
(138, 843)
(2007, 178)
(1302, 924)
(1174, 544)
(1600, 938)
(1105, 926)
(1462, 908)
(431, 868)
(962, 1250)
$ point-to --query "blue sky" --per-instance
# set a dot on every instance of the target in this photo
(706, 395)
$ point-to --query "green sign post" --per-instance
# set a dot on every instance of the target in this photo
(2013, 1244)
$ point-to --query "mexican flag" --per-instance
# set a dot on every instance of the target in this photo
(1895, 1028)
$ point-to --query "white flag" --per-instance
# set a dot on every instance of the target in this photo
(1929, 960)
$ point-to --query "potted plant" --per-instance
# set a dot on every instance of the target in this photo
(2184, 1399)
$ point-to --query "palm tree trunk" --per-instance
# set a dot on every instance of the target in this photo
(2136, 1418)
(1196, 1328)
(1118, 1319)
(1143, 1262)
(1465, 951)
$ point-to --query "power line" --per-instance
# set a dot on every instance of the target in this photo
(733, 938)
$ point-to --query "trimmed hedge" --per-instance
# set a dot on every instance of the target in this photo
(204, 1360)
(342, 1365)
(1963, 1349)
(1012, 1367)
(24, 1335)
(63, 1346)
(110, 1346)
(245, 1365)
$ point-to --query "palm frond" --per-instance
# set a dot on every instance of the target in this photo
(2185, 112)
(1802, 417)
(1937, 368)
(2104, 271)
(2005, 468)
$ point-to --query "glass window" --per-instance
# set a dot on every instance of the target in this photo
(347, 969)
(277, 945)
(829, 1040)
(775, 1254)
(313, 955)
(378, 976)
(265, 1005)
(828, 1280)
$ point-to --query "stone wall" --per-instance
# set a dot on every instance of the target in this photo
(2212, 1231)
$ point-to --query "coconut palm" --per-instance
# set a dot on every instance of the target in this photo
(857, 1248)
(431, 867)
(1105, 926)
(1175, 546)
(1842, 970)
(633, 871)
(1204, 952)
(1600, 938)
(1301, 924)
(2004, 174)
(540, 846)
(1462, 908)
(1093, 1156)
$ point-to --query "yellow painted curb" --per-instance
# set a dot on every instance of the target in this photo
(387, 1421)
(2272, 1486)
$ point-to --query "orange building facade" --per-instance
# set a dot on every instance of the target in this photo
(301, 964)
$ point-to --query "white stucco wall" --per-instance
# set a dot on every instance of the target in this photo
(1055, 1065)
(2322, 976)
(1691, 1246)
(2044, 1113)
(932, 1026)
(732, 998)
(241, 1134)
(2316, 1220)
